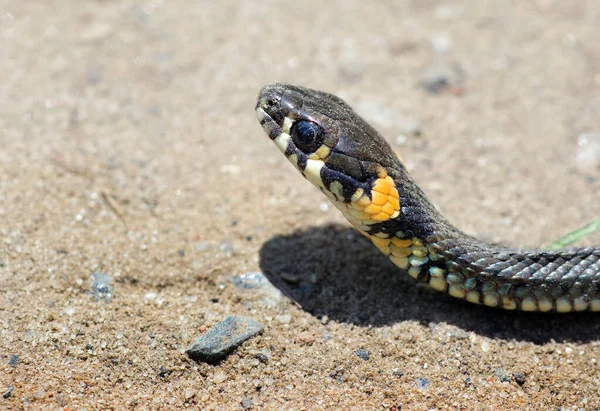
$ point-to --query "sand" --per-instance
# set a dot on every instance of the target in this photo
(130, 151)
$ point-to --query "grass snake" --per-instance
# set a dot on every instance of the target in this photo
(352, 164)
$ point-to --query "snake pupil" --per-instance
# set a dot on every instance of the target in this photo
(307, 135)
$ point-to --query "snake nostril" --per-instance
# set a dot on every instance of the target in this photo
(271, 101)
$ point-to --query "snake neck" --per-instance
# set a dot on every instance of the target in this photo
(431, 250)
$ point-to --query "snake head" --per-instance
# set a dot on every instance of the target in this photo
(335, 149)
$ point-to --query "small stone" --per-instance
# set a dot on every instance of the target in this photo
(363, 354)
(8, 392)
(468, 382)
(14, 360)
(246, 403)
(223, 338)
(248, 281)
(263, 356)
(338, 375)
(485, 346)
(501, 374)
(520, 377)
(422, 383)
(163, 372)
(101, 286)
(437, 78)
(397, 372)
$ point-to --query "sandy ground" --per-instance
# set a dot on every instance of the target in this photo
(129, 148)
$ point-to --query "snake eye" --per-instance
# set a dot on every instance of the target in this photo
(307, 135)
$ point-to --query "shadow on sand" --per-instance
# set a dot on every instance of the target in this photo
(334, 271)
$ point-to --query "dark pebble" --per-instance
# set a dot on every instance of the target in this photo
(181, 253)
(214, 299)
(520, 378)
(246, 403)
(438, 77)
(163, 372)
(8, 392)
(363, 354)
(223, 338)
(468, 382)
(338, 376)
(262, 357)
(14, 360)
(397, 372)
(89, 347)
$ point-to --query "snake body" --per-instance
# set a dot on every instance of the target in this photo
(353, 165)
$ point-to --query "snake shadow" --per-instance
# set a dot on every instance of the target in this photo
(334, 271)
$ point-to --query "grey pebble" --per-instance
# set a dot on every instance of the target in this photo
(101, 286)
(249, 281)
(246, 403)
(439, 76)
(223, 338)
(8, 392)
(14, 360)
(363, 354)
(501, 374)
(422, 383)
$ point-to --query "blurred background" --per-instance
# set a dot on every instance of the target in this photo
(129, 148)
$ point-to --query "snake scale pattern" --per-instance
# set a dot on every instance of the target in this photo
(352, 164)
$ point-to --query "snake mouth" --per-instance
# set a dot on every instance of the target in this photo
(268, 123)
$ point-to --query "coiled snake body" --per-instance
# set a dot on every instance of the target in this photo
(349, 161)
